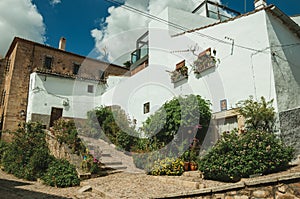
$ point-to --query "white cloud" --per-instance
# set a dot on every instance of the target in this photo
(118, 34)
(19, 18)
(54, 2)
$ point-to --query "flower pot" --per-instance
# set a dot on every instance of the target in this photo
(186, 166)
(193, 166)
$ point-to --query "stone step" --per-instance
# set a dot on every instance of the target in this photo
(83, 175)
(118, 167)
(111, 163)
(106, 155)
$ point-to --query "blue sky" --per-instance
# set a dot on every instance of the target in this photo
(86, 24)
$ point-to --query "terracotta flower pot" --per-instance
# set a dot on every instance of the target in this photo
(186, 166)
(193, 166)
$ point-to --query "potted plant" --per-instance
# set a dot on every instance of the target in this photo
(193, 165)
(186, 160)
(179, 74)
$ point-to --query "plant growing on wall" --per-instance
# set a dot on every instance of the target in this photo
(179, 114)
(259, 115)
(204, 61)
(179, 74)
(66, 132)
(113, 123)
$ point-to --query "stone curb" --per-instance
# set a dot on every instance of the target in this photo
(239, 185)
(186, 183)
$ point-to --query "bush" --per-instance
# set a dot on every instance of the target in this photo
(168, 166)
(66, 132)
(241, 155)
(27, 156)
(176, 115)
(61, 174)
(259, 115)
(114, 123)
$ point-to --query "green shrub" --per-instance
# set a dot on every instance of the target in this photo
(167, 166)
(241, 155)
(114, 124)
(259, 115)
(61, 174)
(3, 148)
(181, 112)
(27, 156)
(66, 132)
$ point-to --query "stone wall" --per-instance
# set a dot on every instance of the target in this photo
(290, 128)
(279, 186)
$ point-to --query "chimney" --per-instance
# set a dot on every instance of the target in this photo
(62, 43)
(259, 4)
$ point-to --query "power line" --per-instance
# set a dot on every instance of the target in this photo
(177, 26)
(185, 29)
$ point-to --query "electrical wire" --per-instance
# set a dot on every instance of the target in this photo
(177, 26)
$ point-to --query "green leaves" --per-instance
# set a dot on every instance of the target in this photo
(27, 156)
(186, 111)
(241, 155)
(168, 166)
(114, 124)
(259, 115)
(61, 174)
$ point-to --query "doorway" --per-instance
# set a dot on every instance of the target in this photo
(56, 113)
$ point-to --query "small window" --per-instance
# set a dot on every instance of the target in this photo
(7, 66)
(147, 107)
(48, 62)
(76, 68)
(90, 88)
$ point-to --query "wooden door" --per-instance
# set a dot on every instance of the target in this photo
(56, 113)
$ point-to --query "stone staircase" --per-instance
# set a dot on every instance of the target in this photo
(112, 160)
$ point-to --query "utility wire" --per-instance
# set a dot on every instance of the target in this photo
(177, 26)
(185, 29)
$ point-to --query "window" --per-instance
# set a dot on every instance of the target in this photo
(147, 107)
(7, 65)
(48, 62)
(76, 68)
(90, 88)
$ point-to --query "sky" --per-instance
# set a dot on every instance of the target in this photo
(96, 28)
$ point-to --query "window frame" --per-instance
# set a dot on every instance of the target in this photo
(90, 88)
(46, 58)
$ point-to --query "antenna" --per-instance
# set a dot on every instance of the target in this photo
(245, 6)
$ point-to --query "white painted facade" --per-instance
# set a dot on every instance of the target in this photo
(239, 73)
(244, 50)
(47, 91)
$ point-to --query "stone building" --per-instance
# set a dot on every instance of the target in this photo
(25, 58)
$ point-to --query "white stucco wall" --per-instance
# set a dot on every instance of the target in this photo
(236, 77)
(296, 19)
(47, 91)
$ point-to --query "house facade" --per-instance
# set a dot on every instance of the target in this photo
(223, 59)
(37, 83)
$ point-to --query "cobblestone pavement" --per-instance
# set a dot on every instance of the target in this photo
(119, 185)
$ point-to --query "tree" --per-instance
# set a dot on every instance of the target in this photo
(259, 115)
